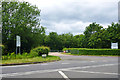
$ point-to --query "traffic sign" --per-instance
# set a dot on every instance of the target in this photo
(18, 43)
(114, 45)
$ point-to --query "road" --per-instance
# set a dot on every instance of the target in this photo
(70, 67)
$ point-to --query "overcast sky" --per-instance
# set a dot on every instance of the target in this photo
(63, 16)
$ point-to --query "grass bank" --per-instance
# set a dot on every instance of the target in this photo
(30, 60)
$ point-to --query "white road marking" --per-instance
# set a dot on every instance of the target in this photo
(92, 61)
(52, 62)
(94, 72)
(92, 66)
(63, 75)
(105, 61)
(27, 73)
(52, 70)
(65, 63)
(15, 66)
(44, 64)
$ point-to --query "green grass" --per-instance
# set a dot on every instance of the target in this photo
(27, 60)
(87, 55)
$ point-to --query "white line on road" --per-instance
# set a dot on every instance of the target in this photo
(27, 73)
(63, 75)
(92, 61)
(92, 66)
(94, 72)
(65, 63)
(44, 64)
(52, 70)
(105, 61)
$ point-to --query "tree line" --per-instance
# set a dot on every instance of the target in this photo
(95, 36)
(22, 19)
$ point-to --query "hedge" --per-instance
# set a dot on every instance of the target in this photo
(40, 50)
(86, 51)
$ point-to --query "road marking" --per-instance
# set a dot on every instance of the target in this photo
(63, 75)
(94, 72)
(27, 73)
(53, 70)
(92, 66)
(105, 61)
(92, 61)
(52, 62)
(44, 64)
(65, 63)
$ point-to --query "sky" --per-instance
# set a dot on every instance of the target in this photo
(64, 16)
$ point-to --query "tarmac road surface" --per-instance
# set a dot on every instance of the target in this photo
(70, 67)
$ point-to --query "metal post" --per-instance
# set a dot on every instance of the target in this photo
(16, 50)
(19, 49)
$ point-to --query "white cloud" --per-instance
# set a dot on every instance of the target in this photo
(75, 27)
(73, 16)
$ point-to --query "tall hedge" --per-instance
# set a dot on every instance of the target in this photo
(86, 51)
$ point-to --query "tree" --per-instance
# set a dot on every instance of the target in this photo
(20, 18)
(80, 40)
(95, 40)
(91, 30)
(68, 40)
(104, 37)
(53, 41)
(113, 33)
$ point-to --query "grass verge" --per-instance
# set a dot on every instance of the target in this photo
(89, 55)
(28, 60)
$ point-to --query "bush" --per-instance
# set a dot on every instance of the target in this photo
(85, 51)
(40, 50)
(14, 56)
(33, 53)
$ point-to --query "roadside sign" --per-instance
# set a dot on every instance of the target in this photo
(114, 45)
(44, 55)
(18, 44)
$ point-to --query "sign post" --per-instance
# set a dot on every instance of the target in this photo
(114, 45)
(18, 44)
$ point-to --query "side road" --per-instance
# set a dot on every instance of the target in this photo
(82, 58)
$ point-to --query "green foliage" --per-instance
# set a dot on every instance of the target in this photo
(98, 37)
(21, 18)
(64, 49)
(2, 47)
(91, 30)
(58, 42)
(40, 50)
(53, 41)
(95, 36)
(86, 51)
(14, 56)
